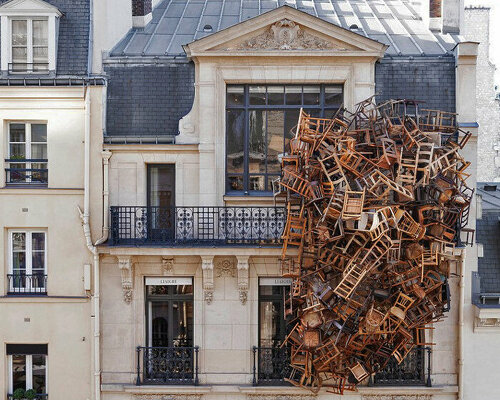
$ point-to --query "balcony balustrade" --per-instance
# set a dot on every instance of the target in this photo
(26, 171)
(196, 226)
(271, 365)
(167, 366)
(23, 284)
(37, 397)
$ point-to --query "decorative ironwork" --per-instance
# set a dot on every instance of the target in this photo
(18, 173)
(38, 396)
(22, 284)
(270, 365)
(167, 365)
(136, 225)
(410, 372)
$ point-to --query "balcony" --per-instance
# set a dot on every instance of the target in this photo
(271, 365)
(26, 172)
(196, 226)
(412, 371)
(27, 285)
(167, 366)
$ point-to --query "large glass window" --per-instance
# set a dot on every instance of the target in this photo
(27, 153)
(28, 262)
(169, 312)
(259, 124)
(30, 41)
(27, 368)
(273, 295)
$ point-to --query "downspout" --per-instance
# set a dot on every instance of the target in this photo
(461, 327)
(85, 217)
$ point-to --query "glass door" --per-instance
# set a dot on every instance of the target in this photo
(161, 202)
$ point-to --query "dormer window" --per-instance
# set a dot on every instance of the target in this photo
(28, 37)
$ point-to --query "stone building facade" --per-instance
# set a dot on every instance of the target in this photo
(174, 289)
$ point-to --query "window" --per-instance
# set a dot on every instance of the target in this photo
(27, 154)
(30, 51)
(259, 125)
(28, 262)
(28, 36)
(27, 368)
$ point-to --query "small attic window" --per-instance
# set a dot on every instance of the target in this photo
(208, 28)
(354, 27)
(28, 30)
(490, 188)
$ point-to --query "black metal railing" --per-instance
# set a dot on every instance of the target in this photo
(22, 284)
(271, 365)
(22, 171)
(414, 370)
(20, 67)
(167, 365)
(38, 396)
(137, 225)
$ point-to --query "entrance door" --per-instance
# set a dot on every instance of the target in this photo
(161, 202)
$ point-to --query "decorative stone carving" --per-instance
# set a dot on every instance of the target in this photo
(287, 35)
(225, 268)
(167, 396)
(243, 278)
(281, 397)
(396, 397)
(126, 266)
(167, 265)
(487, 323)
(207, 266)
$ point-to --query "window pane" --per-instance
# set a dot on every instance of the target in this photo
(257, 182)
(159, 324)
(39, 133)
(19, 241)
(275, 128)
(333, 95)
(293, 95)
(257, 142)
(235, 183)
(40, 55)
(311, 94)
(235, 140)
(291, 120)
(275, 95)
(18, 372)
(40, 33)
(17, 133)
(17, 151)
(235, 95)
(270, 319)
(39, 151)
(257, 95)
(19, 33)
(182, 323)
(182, 289)
(39, 373)
(19, 55)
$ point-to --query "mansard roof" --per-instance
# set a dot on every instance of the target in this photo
(176, 23)
(73, 40)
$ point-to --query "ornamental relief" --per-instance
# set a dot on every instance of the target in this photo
(287, 35)
(397, 397)
(225, 268)
(281, 397)
(167, 396)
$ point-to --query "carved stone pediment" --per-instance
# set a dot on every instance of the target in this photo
(288, 35)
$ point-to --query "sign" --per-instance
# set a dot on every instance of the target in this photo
(275, 281)
(168, 281)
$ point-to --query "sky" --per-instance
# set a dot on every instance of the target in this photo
(494, 5)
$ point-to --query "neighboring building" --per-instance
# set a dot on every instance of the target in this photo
(200, 102)
(477, 28)
(50, 112)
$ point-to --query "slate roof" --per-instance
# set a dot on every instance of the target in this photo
(179, 22)
(73, 43)
(488, 234)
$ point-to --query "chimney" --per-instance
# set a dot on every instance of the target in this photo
(141, 13)
(446, 16)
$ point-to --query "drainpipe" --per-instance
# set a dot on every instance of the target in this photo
(85, 217)
(461, 327)
(106, 155)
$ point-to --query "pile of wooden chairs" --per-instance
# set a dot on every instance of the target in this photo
(376, 201)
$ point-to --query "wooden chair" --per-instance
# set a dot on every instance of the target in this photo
(353, 205)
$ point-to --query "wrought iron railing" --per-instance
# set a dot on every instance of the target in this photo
(271, 365)
(209, 226)
(22, 171)
(167, 366)
(414, 370)
(37, 397)
(35, 284)
(20, 67)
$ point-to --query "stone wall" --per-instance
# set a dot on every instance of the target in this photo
(488, 108)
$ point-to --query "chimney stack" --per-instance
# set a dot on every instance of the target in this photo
(141, 13)
(446, 16)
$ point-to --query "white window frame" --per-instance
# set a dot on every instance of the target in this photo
(29, 257)
(29, 44)
(16, 9)
(29, 372)
(27, 145)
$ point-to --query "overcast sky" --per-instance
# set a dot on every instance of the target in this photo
(494, 31)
